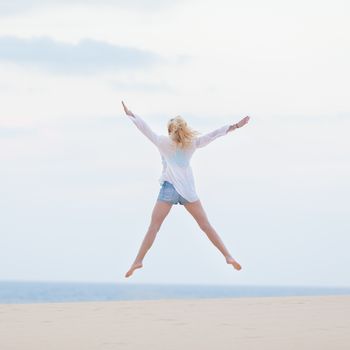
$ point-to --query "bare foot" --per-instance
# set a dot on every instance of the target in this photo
(234, 263)
(133, 267)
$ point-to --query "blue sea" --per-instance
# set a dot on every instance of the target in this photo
(12, 292)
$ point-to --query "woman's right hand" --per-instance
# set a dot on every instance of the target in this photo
(243, 122)
(127, 111)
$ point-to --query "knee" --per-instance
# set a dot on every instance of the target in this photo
(204, 225)
(154, 227)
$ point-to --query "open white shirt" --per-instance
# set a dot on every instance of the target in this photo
(176, 161)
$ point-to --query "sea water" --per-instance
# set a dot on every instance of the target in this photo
(44, 292)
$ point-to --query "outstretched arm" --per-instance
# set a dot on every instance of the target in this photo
(204, 140)
(142, 126)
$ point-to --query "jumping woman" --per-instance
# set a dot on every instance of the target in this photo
(177, 181)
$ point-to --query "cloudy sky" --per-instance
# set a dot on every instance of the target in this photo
(78, 181)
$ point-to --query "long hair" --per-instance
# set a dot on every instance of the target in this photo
(180, 132)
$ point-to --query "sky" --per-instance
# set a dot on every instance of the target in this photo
(78, 181)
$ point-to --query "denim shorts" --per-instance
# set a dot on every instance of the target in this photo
(168, 194)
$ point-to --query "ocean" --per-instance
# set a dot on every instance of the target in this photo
(14, 292)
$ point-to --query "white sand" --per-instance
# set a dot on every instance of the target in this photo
(312, 323)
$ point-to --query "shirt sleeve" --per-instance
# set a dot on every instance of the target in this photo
(204, 140)
(145, 129)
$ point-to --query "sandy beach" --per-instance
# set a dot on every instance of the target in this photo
(239, 323)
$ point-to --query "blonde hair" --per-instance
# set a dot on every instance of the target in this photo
(180, 132)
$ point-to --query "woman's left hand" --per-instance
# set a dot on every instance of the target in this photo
(127, 111)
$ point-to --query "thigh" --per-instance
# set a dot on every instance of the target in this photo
(160, 211)
(197, 211)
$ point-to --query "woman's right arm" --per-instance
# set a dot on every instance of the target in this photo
(204, 140)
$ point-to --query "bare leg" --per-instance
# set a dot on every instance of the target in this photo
(160, 211)
(197, 211)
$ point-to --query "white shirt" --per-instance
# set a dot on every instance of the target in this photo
(176, 161)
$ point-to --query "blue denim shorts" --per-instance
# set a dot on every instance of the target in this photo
(168, 193)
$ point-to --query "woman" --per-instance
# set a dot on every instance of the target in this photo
(177, 179)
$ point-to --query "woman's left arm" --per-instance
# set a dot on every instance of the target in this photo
(142, 126)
